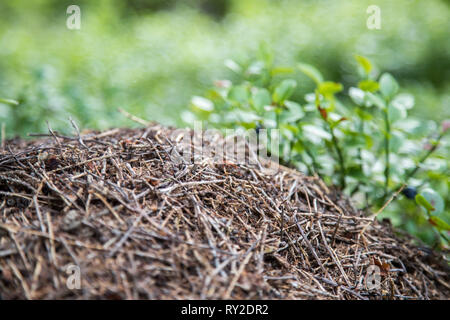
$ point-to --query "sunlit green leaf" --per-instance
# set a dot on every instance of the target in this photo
(329, 88)
(202, 103)
(293, 113)
(357, 95)
(368, 85)
(315, 133)
(317, 98)
(417, 127)
(284, 90)
(298, 146)
(281, 70)
(287, 132)
(421, 200)
(366, 116)
(364, 63)
(9, 101)
(232, 65)
(376, 100)
(396, 113)
(403, 101)
(242, 116)
(388, 85)
(311, 72)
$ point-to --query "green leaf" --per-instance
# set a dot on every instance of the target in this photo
(420, 200)
(364, 63)
(288, 132)
(439, 223)
(298, 146)
(293, 113)
(261, 98)
(388, 85)
(317, 98)
(376, 100)
(396, 113)
(364, 115)
(369, 141)
(416, 127)
(316, 133)
(284, 90)
(403, 101)
(434, 199)
(256, 68)
(202, 103)
(329, 88)
(294, 129)
(357, 95)
(311, 72)
(368, 85)
(9, 101)
(232, 65)
(355, 140)
(242, 116)
(239, 94)
(188, 117)
(268, 122)
(397, 140)
(281, 70)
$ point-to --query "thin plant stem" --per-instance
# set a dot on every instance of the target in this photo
(361, 132)
(314, 161)
(387, 170)
(410, 174)
(340, 156)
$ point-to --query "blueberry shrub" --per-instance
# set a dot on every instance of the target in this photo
(359, 139)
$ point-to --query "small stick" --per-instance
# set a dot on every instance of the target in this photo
(333, 255)
(111, 209)
(382, 208)
(52, 238)
(74, 125)
(19, 249)
(191, 183)
(134, 118)
(333, 237)
(237, 275)
(19, 276)
(310, 246)
(53, 134)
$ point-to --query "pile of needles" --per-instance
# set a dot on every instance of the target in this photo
(119, 215)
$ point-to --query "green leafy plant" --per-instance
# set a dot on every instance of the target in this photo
(9, 102)
(360, 140)
(425, 200)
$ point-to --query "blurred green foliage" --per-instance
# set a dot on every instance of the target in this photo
(149, 57)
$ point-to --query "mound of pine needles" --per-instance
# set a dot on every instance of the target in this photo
(118, 211)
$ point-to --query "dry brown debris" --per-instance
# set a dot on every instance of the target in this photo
(143, 226)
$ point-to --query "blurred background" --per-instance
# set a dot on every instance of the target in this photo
(150, 57)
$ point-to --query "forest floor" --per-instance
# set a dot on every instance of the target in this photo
(120, 215)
